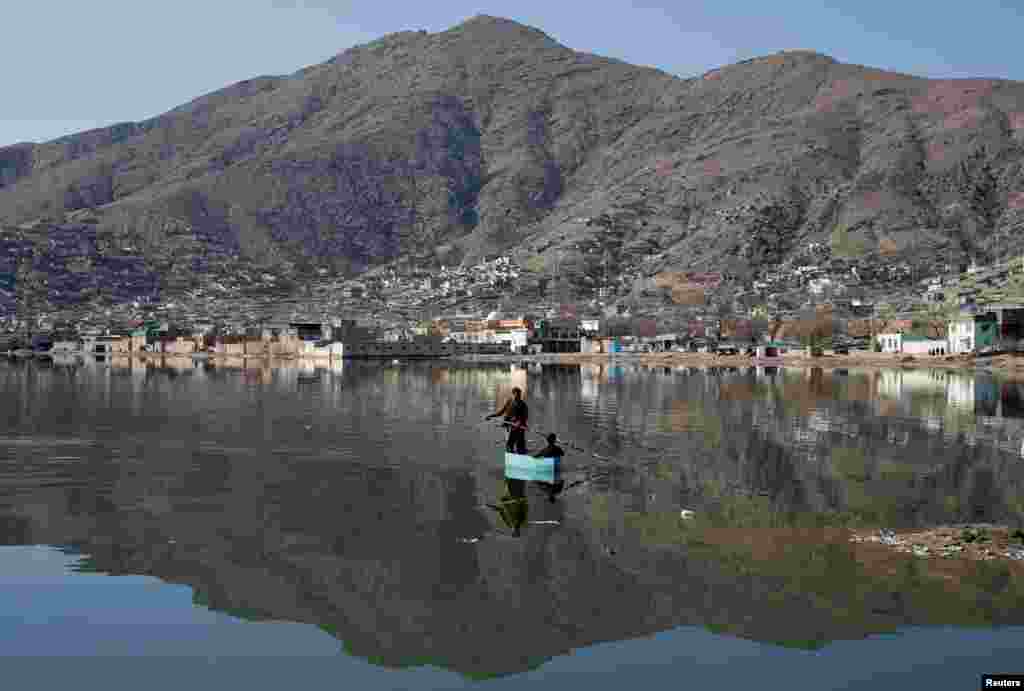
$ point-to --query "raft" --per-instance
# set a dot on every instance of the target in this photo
(530, 469)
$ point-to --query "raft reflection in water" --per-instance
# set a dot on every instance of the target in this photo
(520, 469)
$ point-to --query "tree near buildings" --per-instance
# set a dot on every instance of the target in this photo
(616, 327)
(535, 264)
(630, 305)
(758, 328)
(816, 329)
(932, 321)
(846, 245)
(569, 310)
(723, 308)
(682, 291)
(884, 316)
(1012, 290)
(887, 247)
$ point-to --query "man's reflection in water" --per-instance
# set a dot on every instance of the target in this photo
(513, 507)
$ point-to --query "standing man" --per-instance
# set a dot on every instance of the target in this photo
(516, 415)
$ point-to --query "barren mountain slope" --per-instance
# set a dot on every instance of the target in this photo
(491, 136)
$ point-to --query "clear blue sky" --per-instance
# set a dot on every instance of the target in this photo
(71, 66)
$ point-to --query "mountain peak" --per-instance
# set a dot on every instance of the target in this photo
(486, 23)
(805, 53)
(490, 19)
(798, 55)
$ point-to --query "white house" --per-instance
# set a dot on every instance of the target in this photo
(922, 345)
(911, 345)
(960, 335)
(66, 347)
(890, 342)
(515, 338)
(818, 286)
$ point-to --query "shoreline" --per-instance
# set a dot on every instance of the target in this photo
(1011, 365)
(1008, 365)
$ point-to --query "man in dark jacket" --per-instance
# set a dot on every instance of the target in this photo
(552, 450)
(517, 415)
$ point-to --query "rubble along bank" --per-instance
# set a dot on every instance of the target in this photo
(970, 542)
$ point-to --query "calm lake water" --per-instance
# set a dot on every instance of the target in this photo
(223, 524)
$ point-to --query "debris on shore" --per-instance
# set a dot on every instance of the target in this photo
(971, 542)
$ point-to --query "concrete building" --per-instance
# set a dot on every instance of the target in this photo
(66, 348)
(107, 345)
(272, 330)
(769, 350)
(351, 331)
(322, 350)
(138, 340)
(177, 346)
(512, 334)
(418, 348)
(667, 341)
(229, 345)
(558, 335)
(590, 345)
(256, 347)
(312, 331)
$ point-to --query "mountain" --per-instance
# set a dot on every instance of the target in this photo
(492, 137)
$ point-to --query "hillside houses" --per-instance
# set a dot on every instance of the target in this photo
(402, 304)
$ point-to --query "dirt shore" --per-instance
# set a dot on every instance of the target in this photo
(1008, 365)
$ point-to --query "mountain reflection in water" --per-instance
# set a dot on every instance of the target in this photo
(354, 498)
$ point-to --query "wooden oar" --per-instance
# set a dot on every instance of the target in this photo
(570, 444)
(526, 428)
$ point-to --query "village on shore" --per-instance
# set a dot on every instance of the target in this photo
(424, 314)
